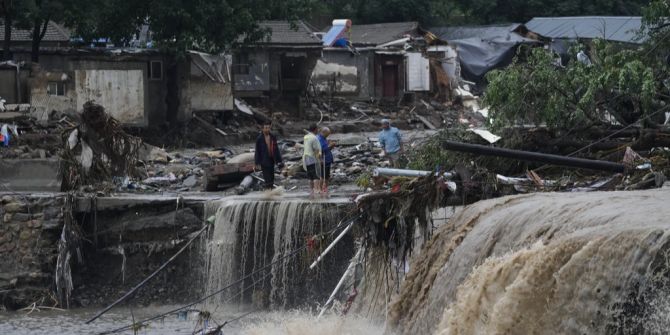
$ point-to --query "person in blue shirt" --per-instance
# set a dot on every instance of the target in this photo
(327, 155)
(390, 140)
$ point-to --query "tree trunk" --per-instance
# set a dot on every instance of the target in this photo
(172, 98)
(39, 30)
(6, 53)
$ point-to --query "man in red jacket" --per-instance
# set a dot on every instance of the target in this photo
(267, 154)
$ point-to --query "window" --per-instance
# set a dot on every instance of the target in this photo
(155, 70)
(241, 63)
(56, 88)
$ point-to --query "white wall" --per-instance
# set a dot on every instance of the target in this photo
(120, 91)
(418, 72)
(346, 77)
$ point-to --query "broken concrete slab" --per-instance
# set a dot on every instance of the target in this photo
(349, 139)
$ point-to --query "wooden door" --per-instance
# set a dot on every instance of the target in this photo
(390, 80)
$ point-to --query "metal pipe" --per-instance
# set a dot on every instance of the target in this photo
(352, 266)
(405, 173)
(337, 239)
(534, 157)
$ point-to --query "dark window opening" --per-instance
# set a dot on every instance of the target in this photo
(155, 70)
(241, 63)
(291, 67)
(56, 88)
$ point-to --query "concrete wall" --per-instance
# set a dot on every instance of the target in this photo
(203, 92)
(343, 73)
(265, 72)
(121, 86)
(121, 92)
(126, 239)
(9, 90)
(207, 95)
(121, 83)
(8, 85)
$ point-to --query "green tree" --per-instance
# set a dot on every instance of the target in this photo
(180, 25)
(35, 15)
(620, 81)
(657, 27)
(497, 11)
(427, 12)
(8, 12)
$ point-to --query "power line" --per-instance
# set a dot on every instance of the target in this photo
(291, 254)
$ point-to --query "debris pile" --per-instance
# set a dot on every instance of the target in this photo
(97, 150)
(23, 137)
(392, 216)
(344, 115)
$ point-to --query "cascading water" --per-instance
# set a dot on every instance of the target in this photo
(251, 234)
(588, 263)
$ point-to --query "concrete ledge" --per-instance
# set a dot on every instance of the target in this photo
(40, 175)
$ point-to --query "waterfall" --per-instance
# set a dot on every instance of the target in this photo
(549, 263)
(250, 234)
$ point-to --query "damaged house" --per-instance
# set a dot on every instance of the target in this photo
(480, 49)
(373, 60)
(138, 87)
(276, 69)
(13, 76)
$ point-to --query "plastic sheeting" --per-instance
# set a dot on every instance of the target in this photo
(482, 49)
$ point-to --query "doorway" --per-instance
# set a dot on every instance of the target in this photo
(390, 80)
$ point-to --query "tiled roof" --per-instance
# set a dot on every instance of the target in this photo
(375, 34)
(54, 33)
(612, 28)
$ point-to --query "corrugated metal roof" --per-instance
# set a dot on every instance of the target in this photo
(483, 32)
(612, 28)
(54, 33)
(283, 33)
(375, 34)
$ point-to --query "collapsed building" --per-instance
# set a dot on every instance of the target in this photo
(277, 67)
(139, 86)
(379, 61)
(481, 49)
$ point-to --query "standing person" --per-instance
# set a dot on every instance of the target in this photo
(327, 160)
(391, 142)
(311, 158)
(267, 154)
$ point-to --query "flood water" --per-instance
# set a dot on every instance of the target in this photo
(72, 322)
